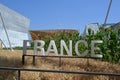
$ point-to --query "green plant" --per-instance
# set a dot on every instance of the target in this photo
(111, 44)
(110, 47)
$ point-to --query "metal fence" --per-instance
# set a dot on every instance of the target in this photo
(60, 57)
(19, 70)
(57, 71)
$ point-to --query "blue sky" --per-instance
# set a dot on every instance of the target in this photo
(64, 14)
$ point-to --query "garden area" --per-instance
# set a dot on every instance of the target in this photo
(110, 63)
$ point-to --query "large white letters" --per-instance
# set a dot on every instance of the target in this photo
(39, 44)
(95, 48)
(63, 45)
(76, 48)
(52, 48)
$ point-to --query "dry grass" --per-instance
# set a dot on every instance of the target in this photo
(13, 59)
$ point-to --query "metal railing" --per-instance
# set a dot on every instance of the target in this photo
(60, 57)
(57, 71)
(19, 70)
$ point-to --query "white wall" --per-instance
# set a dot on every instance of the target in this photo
(17, 27)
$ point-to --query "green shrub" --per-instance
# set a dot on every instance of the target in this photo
(110, 47)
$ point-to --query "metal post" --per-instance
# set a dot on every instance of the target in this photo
(34, 60)
(18, 74)
(87, 64)
(23, 59)
(0, 45)
(107, 12)
(6, 32)
(60, 61)
(3, 44)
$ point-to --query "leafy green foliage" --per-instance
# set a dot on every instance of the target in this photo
(110, 47)
(111, 44)
(63, 36)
